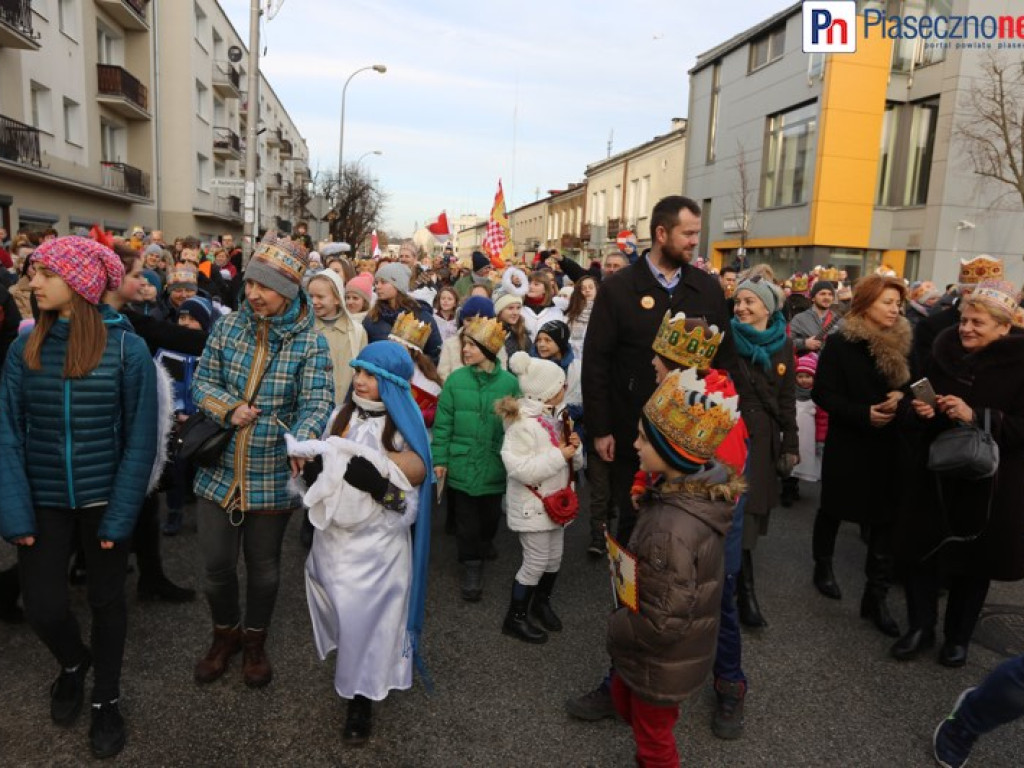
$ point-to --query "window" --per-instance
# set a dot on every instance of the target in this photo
(202, 26)
(919, 157)
(219, 112)
(905, 158)
(593, 208)
(910, 53)
(632, 199)
(885, 154)
(112, 142)
(42, 107)
(789, 154)
(617, 202)
(912, 265)
(202, 97)
(72, 122)
(767, 48)
(815, 67)
(645, 191)
(716, 84)
(67, 17)
(108, 46)
(202, 172)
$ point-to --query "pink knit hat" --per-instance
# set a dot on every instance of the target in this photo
(88, 267)
(363, 285)
(807, 363)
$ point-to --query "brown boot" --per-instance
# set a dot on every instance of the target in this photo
(227, 641)
(255, 664)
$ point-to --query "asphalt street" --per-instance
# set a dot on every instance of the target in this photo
(823, 691)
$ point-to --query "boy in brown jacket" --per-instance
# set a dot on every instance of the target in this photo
(663, 652)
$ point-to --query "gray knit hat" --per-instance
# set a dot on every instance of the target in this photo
(278, 264)
(769, 293)
(395, 273)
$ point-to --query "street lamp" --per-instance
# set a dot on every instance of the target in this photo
(371, 152)
(341, 139)
(960, 226)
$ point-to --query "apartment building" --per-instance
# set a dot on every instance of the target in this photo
(126, 112)
(849, 159)
(529, 225)
(565, 220)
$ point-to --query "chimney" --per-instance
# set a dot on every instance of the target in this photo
(678, 123)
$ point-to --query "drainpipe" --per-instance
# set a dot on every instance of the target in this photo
(156, 115)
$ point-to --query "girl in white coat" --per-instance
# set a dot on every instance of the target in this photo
(536, 457)
(542, 304)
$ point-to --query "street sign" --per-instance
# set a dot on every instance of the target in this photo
(231, 186)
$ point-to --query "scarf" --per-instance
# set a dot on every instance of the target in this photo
(759, 346)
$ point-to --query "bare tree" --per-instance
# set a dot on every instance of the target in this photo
(742, 198)
(991, 129)
(357, 203)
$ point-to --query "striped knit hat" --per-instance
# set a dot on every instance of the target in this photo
(88, 267)
(279, 264)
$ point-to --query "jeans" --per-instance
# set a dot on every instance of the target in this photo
(259, 538)
(652, 726)
(997, 701)
(43, 569)
(542, 553)
(729, 653)
(476, 522)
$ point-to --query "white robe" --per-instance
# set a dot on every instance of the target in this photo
(809, 468)
(359, 570)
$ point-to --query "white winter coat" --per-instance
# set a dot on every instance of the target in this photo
(534, 321)
(531, 460)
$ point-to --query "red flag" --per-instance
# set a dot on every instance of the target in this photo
(440, 227)
(375, 245)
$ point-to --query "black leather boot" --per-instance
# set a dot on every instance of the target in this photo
(746, 597)
(825, 579)
(912, 644)
(516, 622)
(873, 604)
(358, 721)
(540, 606)
(472, 585)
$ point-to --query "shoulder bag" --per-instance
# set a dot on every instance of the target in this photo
(563, 505)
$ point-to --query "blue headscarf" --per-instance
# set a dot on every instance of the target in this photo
(391, 365)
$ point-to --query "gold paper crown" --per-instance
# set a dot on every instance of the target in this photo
(800, 283)
(974, 271)
(691, 348)
(829, 273)
(488, 332)
(692, 420)
(409, 331)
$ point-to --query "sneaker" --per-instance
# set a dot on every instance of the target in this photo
(597, 547)
(174, 520)
(952, 742)
(106, 733)
(728, 720)
(595, 705)
(68, 692)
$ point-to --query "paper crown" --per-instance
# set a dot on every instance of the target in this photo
(801, 283)
(694, 415)
(980, 268)
(999, 294)
(488, 332)
(692, 347)
(409, 331)
(831, 274)
(284, 256)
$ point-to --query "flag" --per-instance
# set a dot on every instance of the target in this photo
(439, 228)
(498, 243)
(375, 245)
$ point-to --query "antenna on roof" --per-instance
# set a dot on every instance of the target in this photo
(611, 135)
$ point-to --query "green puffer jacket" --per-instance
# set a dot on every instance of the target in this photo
(467, 431)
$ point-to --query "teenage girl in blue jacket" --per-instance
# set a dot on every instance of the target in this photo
(78, 425)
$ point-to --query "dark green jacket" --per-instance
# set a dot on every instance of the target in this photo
(467, 431)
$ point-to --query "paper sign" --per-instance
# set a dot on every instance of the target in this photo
(622, 564)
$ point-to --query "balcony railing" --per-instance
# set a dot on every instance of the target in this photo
(273, 181)
(226, 141)
(286, 148)
(16, 25)
(226, 79)
(19, 143)
(126, 179)
(116, 81)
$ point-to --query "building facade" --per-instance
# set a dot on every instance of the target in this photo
(848, 159)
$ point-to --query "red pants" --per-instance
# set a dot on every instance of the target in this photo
(652, 725)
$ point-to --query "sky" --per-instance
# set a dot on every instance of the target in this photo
(528, 92)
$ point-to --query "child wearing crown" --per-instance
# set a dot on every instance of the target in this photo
(426, 384)
(663, 652)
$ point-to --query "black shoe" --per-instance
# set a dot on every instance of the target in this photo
(358, 721)
(873, 606)
(472, 586)
(825, 579)
(597, 547)
(593, 705)
(540, 607)
(746, 598)
(911, 644)
(952, 655)
(516, 623)
(163, 588)
(68, 692)
(728, 721)
(106, 734)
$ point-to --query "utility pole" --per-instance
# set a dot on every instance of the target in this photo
(251, 220)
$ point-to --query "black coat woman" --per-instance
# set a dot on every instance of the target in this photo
(956, 532)
(860, 374)
(765, 382)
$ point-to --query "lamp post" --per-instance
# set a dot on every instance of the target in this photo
(341, 138)
(371, 152)
(960, 226)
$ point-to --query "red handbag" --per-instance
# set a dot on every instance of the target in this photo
(563, 505)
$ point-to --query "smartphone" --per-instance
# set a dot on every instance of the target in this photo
(923, 391)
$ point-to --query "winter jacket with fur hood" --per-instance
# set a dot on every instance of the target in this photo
(532, 460)
(665, 651)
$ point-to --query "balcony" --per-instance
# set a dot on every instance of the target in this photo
(243, 107)
(273, 181)
(19, 143)
(125, 179)
(16, 26)
(274, 138)
(222, 207)
(226, 80)
(130, 14)
(286, 148)
(122, 93)
(226, 143)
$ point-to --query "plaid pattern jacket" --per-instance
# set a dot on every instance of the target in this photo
(296, 396)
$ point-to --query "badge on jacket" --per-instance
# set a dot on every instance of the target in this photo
(781, 369)
(647, 302)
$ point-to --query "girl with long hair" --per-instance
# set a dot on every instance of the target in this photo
(577, 315)
(446, 306)
(392, 283)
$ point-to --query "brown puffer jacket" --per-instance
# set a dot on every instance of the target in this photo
(665, 651)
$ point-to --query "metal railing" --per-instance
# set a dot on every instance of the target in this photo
(116, 81)
(18, 14)
(19, 143)
(226, 139)
(139, 6)
(124, 178)
(286, 148)
(225, 72)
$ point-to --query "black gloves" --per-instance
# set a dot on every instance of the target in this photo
(363, 475)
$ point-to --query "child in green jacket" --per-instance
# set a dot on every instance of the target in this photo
(467, 447)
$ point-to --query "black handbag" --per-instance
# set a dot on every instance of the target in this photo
(965, 452)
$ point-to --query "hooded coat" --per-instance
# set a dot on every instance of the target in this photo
(665, 651)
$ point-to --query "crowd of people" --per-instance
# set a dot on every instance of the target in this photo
(363, 394)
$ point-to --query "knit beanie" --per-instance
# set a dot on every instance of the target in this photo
(153, 279)
(559, 333)
(395, 273)
(807, 363)
(336, 282)
(480, 262)
(505, 300)
(538, 379)
(200, 309)
(823, 285)
(363, 285)
(279, 264)
(476, 306)
(769, 293)
(181, 276)
(88, 267)
(153, 249)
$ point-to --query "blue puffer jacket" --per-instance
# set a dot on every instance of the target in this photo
(74, 443)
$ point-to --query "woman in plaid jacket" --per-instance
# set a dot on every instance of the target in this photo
(267, 372)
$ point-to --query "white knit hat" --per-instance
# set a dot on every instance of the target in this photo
(538, 379)
(505, 300)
